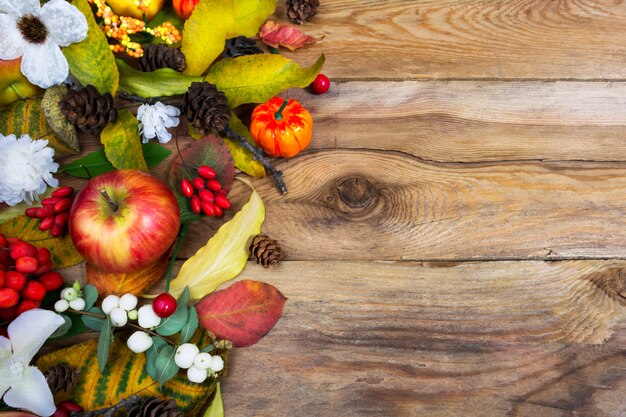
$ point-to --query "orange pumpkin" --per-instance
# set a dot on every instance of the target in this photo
(281, 127)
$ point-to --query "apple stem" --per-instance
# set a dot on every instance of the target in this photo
(107, 197)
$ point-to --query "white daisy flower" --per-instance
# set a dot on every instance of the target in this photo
(26, 168)
(154, 121)
(36, 33)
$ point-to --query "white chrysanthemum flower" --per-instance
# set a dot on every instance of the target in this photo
(154, 120)
(26, 168)
(36, 33)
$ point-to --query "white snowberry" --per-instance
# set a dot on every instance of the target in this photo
(128, 302)
(197, 375)
(147, 317)
(119, 317)
(78, 304)
(109, 303)
(139, 342)
(185, 354)
(202, 360)
(217, 363)
(69, 294)
(61, 306)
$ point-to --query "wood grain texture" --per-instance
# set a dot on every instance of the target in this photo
(519, 39)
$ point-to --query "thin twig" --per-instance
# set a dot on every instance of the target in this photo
(181, 236)
(109, 411)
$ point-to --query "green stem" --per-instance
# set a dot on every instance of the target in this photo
(183, 232)
(279, 114)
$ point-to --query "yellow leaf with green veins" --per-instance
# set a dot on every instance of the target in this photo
(205, 33)
(258, 78)
(250, 15)
(122, 143)
(243, 158)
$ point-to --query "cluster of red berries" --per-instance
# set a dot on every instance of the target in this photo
(205, 193)
(55, 211)
(25, 277)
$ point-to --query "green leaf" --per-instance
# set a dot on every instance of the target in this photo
(51, 108)
(94, 323)
(91, 61)
(152, 354)
(250, 15)
(190, 328)
(160, 83)
(216, 409)
(104, 343)
(65, 327)
(90, 295)
(205, 33)
(257, 78)
(226, 253)
(96, 162)
(174, 323)
(122, 143)
(243, 158)
(165, 366)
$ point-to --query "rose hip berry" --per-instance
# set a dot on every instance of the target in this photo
(164, 305)
(54, 213)
(320, 84)
(203, 190)
(186, 187)
(206, 172)
(71, 407)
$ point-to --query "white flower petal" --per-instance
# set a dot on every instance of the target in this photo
(11, 41)
(66, 24)
(5, 363)
(31, 392)
(19, 7)
(44, 65)
(29, 331)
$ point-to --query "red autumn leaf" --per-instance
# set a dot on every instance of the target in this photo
(275, 35)
(242, 313)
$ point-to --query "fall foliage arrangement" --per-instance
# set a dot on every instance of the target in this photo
(129, 72)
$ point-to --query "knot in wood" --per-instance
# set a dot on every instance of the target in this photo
(356, 193)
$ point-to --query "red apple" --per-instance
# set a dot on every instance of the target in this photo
(13, 84)
(184, 8)
(124, 221)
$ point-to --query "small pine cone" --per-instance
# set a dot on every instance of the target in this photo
(61, 377)
(240, 46)
(162, 56)
(89, 110)
(206, 108)
(155, 407)
(265, 251)
(300, 11)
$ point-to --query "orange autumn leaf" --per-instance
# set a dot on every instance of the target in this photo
(275, 35)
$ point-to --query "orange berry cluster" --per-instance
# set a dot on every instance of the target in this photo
(120, 28)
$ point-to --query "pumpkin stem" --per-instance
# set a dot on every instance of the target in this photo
(279, 114)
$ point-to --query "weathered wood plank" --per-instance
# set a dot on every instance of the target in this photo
(515, 339)
(469, 39)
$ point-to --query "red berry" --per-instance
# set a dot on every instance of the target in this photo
(164, 305)
(61, 412)
(186, 187)
(50, 201)
(52, 281)
(26, 265)
(43, 268)
(26, 305)
(8, 314)
(61, 219)
(43, 256)
(14, 280)
(222, 201)
(8, 297)
(218, 211)
(195, 204)
(206, 195)
(206, 172)
(63, 205)
(22, 249)
(11, 241)
(208, 208)
(198, 183)
(47, 223)
(63, 192)
(32, 212)
(320, 84)
(3, 241)
(34, 290)
(213, 185)
(2, 274)
(58, 230)
(71, 407)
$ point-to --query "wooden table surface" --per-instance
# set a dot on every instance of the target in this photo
(455, 236)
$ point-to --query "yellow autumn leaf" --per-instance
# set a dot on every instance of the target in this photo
(243, 158)
(226, 253)
(216, 409)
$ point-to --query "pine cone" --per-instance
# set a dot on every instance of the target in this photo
(154, 407)
(162, 56)
(240, 46)
(61, 377)
(265, 251)
(89, 110)
(206, 108)
(300, 11)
